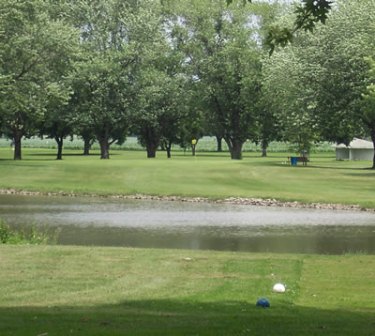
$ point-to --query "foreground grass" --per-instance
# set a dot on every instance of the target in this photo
(52, 290)
(208, 175)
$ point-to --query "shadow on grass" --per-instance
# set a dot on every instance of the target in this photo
(167, 317)
(245, 156)
(209, 155)
(366, 175)
(23, 163)
(337, 168)
(50, 157)
(53, 155)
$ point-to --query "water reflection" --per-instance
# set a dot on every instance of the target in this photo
(105, 222)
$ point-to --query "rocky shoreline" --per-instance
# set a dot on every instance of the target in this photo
(268, 202)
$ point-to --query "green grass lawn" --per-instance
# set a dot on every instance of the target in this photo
(211, 175)
(62, 290)
(56, 290)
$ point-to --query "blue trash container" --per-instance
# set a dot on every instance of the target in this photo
(294, 160)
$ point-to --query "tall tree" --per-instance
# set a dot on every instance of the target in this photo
(35, 50)
(307, 14)
(288, 89)
(341, 53)
(368, 106)
(317, 83)
(112, 36)
(161, 110)
(225, 55)
(58, 121)
(161, 88)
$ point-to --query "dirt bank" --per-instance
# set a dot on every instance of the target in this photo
(269, 202)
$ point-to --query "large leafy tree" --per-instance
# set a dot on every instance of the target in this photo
(225, 58)
(102, 107)
(289, 91)
(160, 111)
(58, 121)
(316, 84)
(232, 90)
(308, 13)
(35, 52)
(112, 40)
(341, 53)
(368, 106)
(161, 86)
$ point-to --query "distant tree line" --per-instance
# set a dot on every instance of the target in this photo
(172, 71)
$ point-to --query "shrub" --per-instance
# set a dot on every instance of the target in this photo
(4, 232)
(32, 235)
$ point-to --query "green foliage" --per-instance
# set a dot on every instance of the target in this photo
(173, 71)
(278, 36)
(369, 98)
(113, 45)
(290, 97)
(4, 232)
(315, 86)
(36, 51)
(161, 109)
(225, 65)
(311, 12)
(32, 235)
(343, 76)
(307, 16)
(161, 105)
(368, 104)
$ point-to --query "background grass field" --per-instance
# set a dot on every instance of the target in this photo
(211, 175)
(65, 290)
(205, 144)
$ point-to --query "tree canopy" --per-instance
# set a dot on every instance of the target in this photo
(173, 71)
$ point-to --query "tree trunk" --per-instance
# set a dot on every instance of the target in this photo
(236, 152)
(151, 150)
(235, 148)
(264, 148)
(87, 146)
(60, 142)
(373, 141)
(219, 143)
(104, 148)
(168, 148)
(151, 139)
(17, 136)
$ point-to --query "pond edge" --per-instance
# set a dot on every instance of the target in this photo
(265, 202)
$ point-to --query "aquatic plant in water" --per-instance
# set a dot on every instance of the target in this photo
(32, 235)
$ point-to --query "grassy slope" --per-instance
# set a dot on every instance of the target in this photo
(113, 291)
(209, 175)
(116, 291)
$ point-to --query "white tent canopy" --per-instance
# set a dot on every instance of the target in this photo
(358, 149)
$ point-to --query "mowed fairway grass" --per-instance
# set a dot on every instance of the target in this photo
(60, 290)
(67, 290)
(209, 175)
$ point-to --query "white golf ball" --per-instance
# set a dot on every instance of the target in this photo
(279, 288)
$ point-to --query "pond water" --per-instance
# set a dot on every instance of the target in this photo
(188, 225)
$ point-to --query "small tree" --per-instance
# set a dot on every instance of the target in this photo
(58, 120)
(368, 106)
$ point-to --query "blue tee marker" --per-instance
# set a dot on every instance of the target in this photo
(264, 303)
